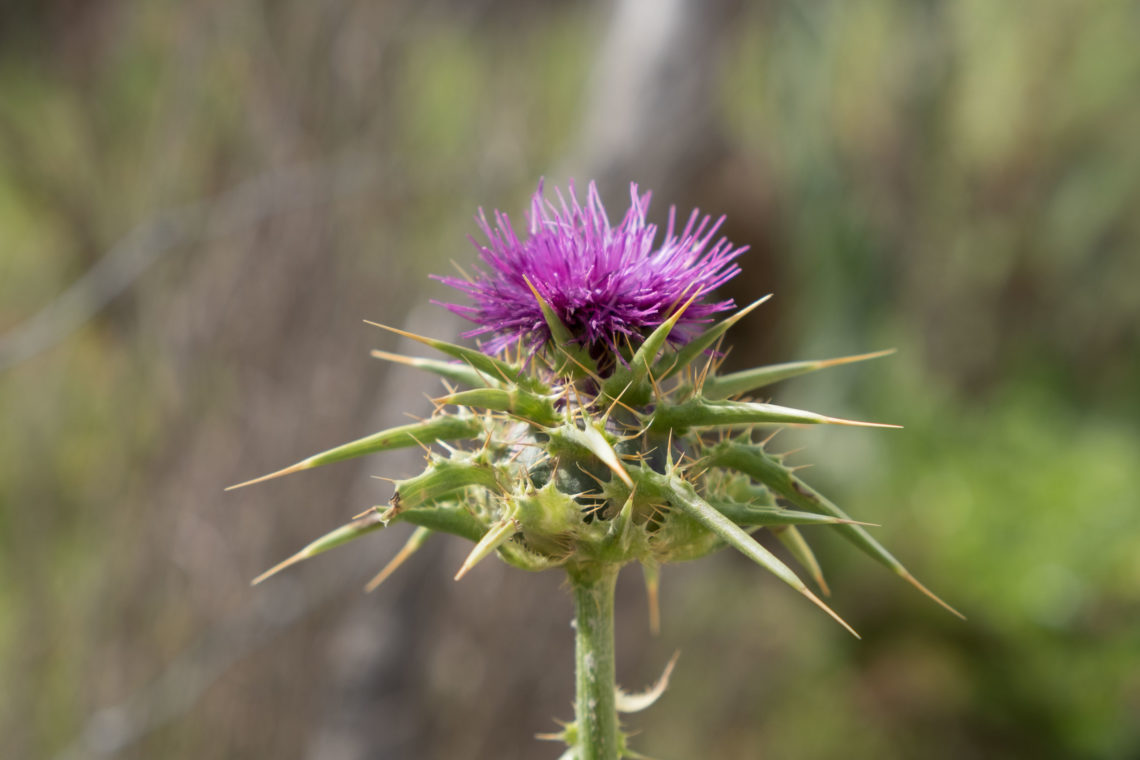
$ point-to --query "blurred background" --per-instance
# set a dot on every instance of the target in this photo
(200, 203)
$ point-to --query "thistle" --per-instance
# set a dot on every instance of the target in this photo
(593, 429)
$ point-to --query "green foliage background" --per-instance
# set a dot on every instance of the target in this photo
(957, 179)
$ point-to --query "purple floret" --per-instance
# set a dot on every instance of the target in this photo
(606, 284)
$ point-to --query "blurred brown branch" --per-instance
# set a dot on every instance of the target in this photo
(275, 192)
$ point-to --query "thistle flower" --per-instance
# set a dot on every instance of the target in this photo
(614, 438)
(609, 286)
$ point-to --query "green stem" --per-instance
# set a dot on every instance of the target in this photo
(594, 660)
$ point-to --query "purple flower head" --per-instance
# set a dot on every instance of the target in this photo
(608, 285)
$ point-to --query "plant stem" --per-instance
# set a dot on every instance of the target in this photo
(594, 660)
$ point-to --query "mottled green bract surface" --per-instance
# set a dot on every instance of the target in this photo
(954, 179)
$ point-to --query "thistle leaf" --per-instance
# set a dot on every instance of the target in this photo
(670, 365)
(737, 383)
(592, 440)
(635, 374)
(699, 412)
(576, 360)
(489, 366)
(500, 533)
(749, 516)
(520, 403)
(443, 477)
(794, 542)
(443, 519)
(754, 462)
(619, 533)
(360, 526)
(682, 495)
(418, 538)
(459, 373)
(440, 428)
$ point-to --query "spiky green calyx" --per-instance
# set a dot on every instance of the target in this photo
(567, 468)
(549, 461)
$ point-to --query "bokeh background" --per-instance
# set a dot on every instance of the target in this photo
(200, 202)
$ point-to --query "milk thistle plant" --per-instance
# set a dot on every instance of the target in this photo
(592, 428)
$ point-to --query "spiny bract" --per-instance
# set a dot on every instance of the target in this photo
(595, 428)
